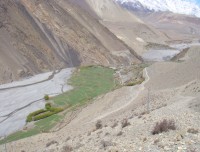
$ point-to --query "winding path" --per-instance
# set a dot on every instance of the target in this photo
(137, 93)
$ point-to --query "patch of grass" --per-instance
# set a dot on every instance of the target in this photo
(43, 125)
(88, 82)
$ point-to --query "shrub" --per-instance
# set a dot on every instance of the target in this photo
(48, 113)
(135, 82)
(31, 115)
(56, 110)
(119, 133)
(114, 125)
(156, 141)
(51, 143)
(67, 148)
(29, 119)
(132, 83)
(46, 97)
(44, 115)
(107, 143)
(193, 131)
(125, 123)
(38, 112)
(41, 114)
(99, 124)
(163, 126)
(192, 150)
(48, 106)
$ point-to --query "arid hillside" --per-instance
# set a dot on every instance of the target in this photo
(38, 36)
(120, 81)
(129, 28)
(120, 121)
(175, 26)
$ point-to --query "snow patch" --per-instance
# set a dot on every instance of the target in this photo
(187, 7)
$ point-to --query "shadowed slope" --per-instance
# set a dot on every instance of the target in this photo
(38, 36)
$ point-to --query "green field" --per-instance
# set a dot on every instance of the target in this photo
(88, 82)
(43, 125)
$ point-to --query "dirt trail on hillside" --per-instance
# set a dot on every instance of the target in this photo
(135, 91)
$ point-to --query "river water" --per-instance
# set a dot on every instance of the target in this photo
(18, 99)
(166, 54)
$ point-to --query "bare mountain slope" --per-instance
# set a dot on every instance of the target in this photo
(187, 7)
(126, 26)
(23, 47)
(108, 10)
(38, 36)
(175, 26)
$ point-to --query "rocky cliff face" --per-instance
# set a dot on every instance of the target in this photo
(41, 35)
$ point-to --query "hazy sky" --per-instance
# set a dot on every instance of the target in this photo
(198, 1)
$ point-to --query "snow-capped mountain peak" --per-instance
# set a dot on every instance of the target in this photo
(187, 7)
